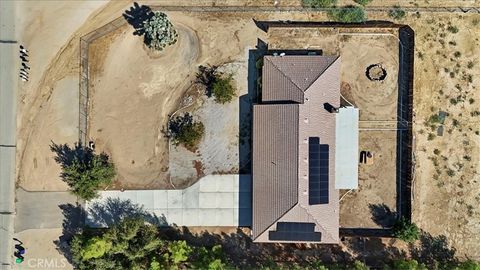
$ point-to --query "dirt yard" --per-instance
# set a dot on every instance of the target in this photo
(377, 101)
(153, 93)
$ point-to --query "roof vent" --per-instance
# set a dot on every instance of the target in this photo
(305, 120)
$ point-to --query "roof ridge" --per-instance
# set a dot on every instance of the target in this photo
(320, 75)
(285, 75)
(281, 216)
(316, 220)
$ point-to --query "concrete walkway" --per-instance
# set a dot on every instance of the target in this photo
(215, 200)
(43, 210)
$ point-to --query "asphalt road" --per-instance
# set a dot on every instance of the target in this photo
(9, 65)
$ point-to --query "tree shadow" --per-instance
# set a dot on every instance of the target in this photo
(136, 15)
(73, 223)
(206, 76)
(112, 210)
(433, 251)
(66, 154)
(382, 215)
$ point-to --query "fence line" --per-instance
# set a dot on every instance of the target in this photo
(84, 73)
(120, 21)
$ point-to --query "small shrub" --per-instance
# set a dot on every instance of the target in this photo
(348, 14)
(223, 89)
(319, 3)
(184, 130)
(397, 13)
(450, 172)
(467, 158)
(457, 54)
(407, 265)
(406, 230)
(452, 29)
(363, 2)
(471, 100)
(436, 151)
(470, 64)
(431, 136)
(453, 43)
(159, 31)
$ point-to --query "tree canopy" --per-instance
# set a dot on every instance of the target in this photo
(83, 170)
(223, 89)
(405, 230)
(135, 244)
(184, 130)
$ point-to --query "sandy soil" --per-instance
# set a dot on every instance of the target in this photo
(360, 208)
(150, 88)
(41, 251)
(48, 103)
(377, 100)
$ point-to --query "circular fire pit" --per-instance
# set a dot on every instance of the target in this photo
(376, 72)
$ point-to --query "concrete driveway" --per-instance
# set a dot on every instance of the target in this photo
(42, 210)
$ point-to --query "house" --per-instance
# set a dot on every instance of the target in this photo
(305, 148)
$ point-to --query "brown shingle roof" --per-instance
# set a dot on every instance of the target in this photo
(286, 78)
(281, 194)
(275, 163)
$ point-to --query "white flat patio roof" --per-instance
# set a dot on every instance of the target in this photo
(215, 200)
(346, 148)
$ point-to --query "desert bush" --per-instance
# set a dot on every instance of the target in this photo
(452, 29)
(184, 130)
(223, 89)
(348, 14)
(159, 31)
(397, 13)
(363, 2)
(406, 230)
(319, 3)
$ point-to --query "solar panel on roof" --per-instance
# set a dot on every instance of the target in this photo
(317, 171)
(295, 231)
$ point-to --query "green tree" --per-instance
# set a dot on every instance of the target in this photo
(178, 252)
(95, 248)
(223, 90)
(159, 31)
(184, 130)
(358, 265)
(130, 244)
(211, 259)
(83, 170)
(397, 13)
(468, 265)
(348, 14)
(405, 230)
(406, 265)
(319, 3)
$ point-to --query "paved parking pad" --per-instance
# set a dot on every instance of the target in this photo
(215, 200)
